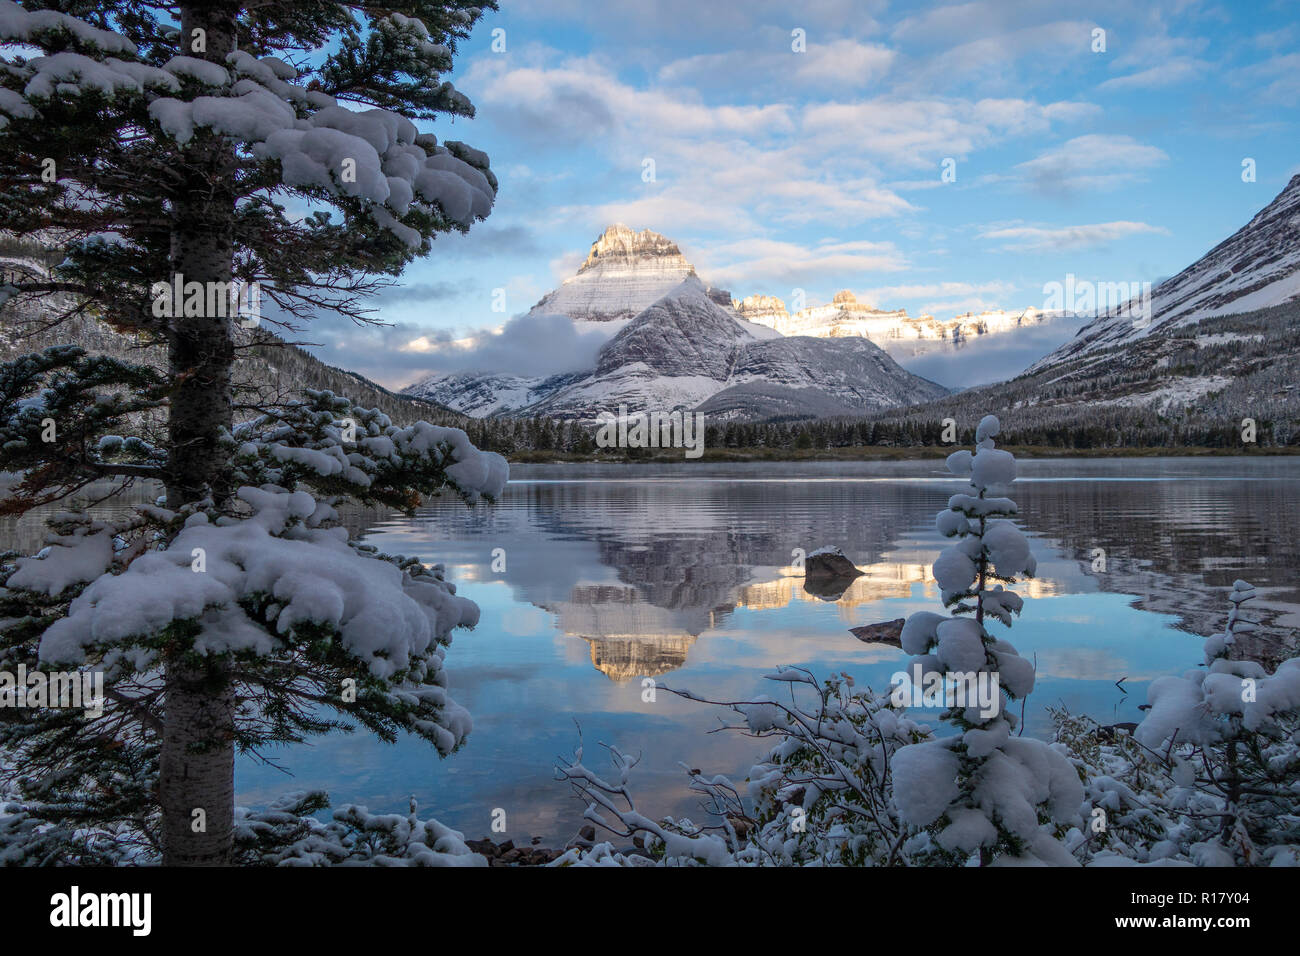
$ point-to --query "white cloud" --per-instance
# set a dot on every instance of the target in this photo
(922, 132)
(1061, 238)
(1097, 161)
(991, 358)
(747, 263)
(722, 168)
(665, 26)
(582, 99)
(1279, 77)
(841, 64)
(950, 308)
(984, 46)
(946, 25)
(1164, 74)
(397, 355)
(729, 168)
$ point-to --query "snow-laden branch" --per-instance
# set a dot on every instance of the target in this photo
(373, 156)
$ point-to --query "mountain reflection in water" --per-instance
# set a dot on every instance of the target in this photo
(684, 574)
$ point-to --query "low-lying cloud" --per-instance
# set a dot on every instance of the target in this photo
(994, 357)
(398, 355)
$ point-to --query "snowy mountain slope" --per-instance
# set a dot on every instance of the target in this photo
(687, 349)
(482, 395)
(1256, 267)
(763, 401)
(675, 354)
(855, 371)
(684, 333)
(1209, 373)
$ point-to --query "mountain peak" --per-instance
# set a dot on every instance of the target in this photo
(624, 246)
(625, 272)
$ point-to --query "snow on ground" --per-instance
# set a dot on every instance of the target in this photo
(637, 386)
(1283, 290)
(1179, 393)
(1224, 338)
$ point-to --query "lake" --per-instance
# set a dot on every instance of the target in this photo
(683, 573)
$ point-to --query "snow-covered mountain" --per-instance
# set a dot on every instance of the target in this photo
(676, 342)
(625, 272)
(688, 350)
(892, 329)
(1256, 267)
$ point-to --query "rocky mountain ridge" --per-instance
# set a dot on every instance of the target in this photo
(891, 329)
(266, 365)
(623, 273)
(1257, 267)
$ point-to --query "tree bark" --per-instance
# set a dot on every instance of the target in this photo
(197, 761)
(200, 347)
(197, 765)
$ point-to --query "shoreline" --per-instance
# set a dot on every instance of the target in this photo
(886, 453)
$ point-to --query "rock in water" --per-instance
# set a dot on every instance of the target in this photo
(886, 632)
(829, 561)
(827, 573)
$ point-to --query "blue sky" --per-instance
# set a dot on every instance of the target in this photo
(821, 170)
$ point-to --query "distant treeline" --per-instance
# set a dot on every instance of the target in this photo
(508, 435)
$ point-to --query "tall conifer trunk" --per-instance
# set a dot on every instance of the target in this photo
(197, 758)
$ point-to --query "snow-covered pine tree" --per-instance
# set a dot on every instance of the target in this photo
(158, 145)
(983, 791)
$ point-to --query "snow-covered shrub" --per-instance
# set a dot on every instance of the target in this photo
(1211, 775)
(821, 796)
(287, 834)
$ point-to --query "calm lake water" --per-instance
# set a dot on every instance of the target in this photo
(683, 573)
